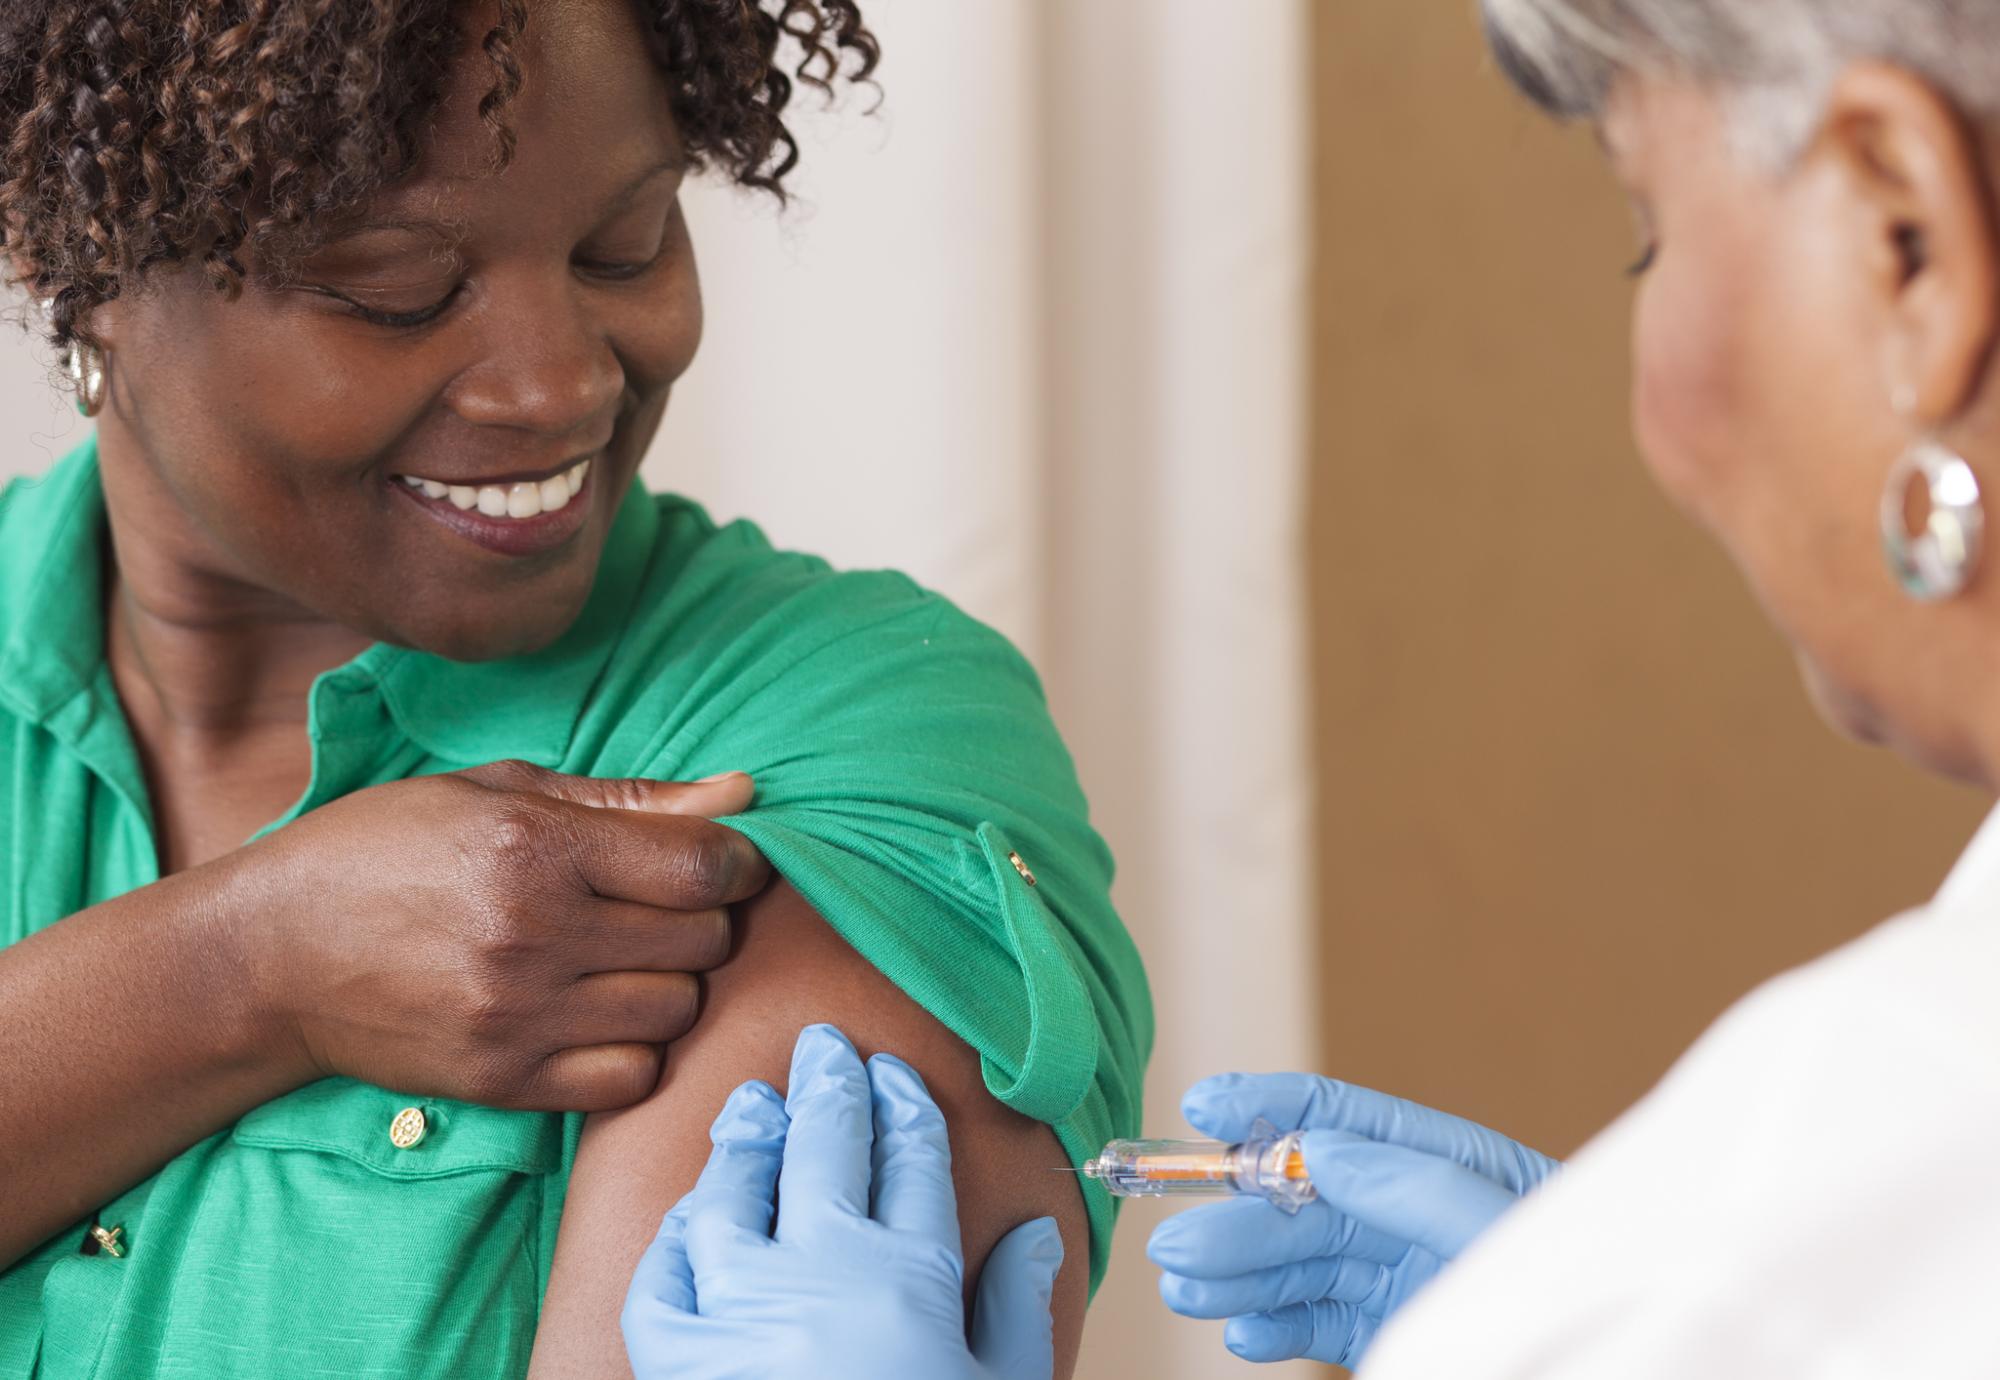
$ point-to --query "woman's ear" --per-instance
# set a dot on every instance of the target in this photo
(1912, 175)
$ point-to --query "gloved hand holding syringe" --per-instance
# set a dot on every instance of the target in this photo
(1378, 1194)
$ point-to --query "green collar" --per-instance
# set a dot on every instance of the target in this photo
(52, 543)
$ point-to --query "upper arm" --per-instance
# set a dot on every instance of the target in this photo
(790, 970)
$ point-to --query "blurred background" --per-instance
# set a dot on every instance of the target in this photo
(1260, 369)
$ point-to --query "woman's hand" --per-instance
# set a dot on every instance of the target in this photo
(505, 935)
(1402, 1191)
(822, 1243)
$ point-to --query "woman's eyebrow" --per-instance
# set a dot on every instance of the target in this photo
(448, 233)
(444, 235)
(675, 163)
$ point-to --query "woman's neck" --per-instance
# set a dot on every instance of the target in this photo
(200, 654)
(226, 676)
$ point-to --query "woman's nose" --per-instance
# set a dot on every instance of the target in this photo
(546, 367)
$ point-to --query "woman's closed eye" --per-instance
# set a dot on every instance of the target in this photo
(1646, 260)
(620, 270)
(632, 249)
(383, 313)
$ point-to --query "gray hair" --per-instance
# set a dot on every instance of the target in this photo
(1773, 59)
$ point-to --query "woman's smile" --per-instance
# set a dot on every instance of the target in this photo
(515, 515)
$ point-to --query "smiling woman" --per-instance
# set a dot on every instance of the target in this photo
(377, 307)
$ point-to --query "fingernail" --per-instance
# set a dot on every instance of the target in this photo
(1045, 1255)
(719, 776)
(819, 1050)
(754, 1111)
(897, 1075)
(1235, 1337)
(820, 1040)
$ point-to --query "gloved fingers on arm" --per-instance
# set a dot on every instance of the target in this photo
(731, 1201)
(738, 1183)
(1334, 1332)
(1013, 1330)
(1426, 1200)
(912, 1157)
(824, 1181)
(1226, 1106)
(1341, 1279)
(664, 1279)
(1238, 1236)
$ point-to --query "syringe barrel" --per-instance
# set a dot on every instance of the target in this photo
(1266, 1167)
(1167, 1168)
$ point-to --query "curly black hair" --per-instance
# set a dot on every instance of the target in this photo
(136, 133)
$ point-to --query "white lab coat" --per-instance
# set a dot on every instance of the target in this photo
(1813, 1191)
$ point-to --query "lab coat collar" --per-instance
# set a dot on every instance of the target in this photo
(1977, 872)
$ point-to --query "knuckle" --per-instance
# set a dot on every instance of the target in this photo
(501, 933)
(1338, 1234)
(513, 774)
(709, 935)
(627, 1076)
(515, 831)
(679, 1005)
(705, 865)
(491, 1015)
(624, 792)
(523, 847)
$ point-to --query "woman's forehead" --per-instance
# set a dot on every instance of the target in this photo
(587, 73)
(592, 116)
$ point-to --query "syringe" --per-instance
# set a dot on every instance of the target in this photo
(1269, 1165)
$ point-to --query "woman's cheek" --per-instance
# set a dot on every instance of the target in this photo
(1686, 397)
(670, 324)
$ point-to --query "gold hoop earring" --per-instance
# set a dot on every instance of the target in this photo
(86, 367)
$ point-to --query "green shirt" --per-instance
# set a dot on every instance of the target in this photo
(902, 751)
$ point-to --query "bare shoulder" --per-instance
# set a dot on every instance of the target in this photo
(790, 970)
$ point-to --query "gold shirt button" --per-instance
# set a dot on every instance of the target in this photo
(1022, 868)
(408, 1128)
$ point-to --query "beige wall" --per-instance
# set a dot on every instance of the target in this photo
(1575, 799)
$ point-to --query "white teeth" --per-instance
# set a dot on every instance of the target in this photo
(516, 501)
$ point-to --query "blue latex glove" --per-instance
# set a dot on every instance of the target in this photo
(859, 1276)
(1402, 1191)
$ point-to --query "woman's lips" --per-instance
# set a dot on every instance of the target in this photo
(521, 519)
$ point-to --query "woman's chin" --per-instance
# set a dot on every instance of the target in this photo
(1856, 717)
(473, 633)
(1845, 711)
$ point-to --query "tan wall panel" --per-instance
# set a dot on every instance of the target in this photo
(1575, 798)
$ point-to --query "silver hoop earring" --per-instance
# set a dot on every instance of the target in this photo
(1938, 562)
(86, 370)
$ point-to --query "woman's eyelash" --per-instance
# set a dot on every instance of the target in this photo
(396, 321)
(411, 320)
(1646, 262)
(620, 272)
